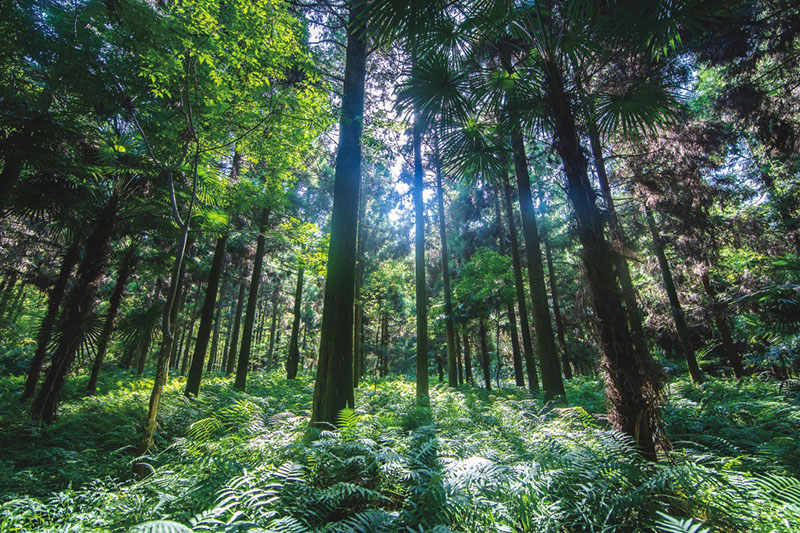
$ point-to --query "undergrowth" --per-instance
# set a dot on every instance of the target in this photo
(474, 461)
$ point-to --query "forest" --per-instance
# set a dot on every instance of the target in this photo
(384, 265)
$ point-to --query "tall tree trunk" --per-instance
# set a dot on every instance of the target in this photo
(237, 323)
(459, 358)
(333, 387)
(114, 302)
(674, 302)
(77, 308)
(212, 359)
(633, 385)
(275, 311)
(358, 307)
(46, 327)
(449, 326)
(519, 378)
(294, 351)
(616, 232)
(560, 335)
(552, 383)
(385, 345)
(419, 259)
(250, 315)
(719, 313)
(468, 358)
(206, 317)
(167, 325)
(484, 345)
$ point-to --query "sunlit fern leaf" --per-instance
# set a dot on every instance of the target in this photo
(670, 524)
(347, 419)
(160, 526)
(781, 489)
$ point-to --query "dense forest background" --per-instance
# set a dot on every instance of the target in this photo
(373, 265)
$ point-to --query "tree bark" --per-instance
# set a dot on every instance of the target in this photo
(617, 234)
(632, 381)
(206, 318)
(333, 387)
(212, 359)
(294, 350)
(77, 308)
(114, 302)
(519, 378)
(419, 260)
(452, 363)
(560, 335)
(243, 364)
(552, 383)
(46, 327)
(527, 342)
(674, 302)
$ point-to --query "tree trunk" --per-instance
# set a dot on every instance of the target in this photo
(633, 385)
(237, 322)
(674, 303)
(294, 351)
(459, 358)
(519, 377)
(46, 327)
(719, 313)
(333, 387)
(617, 234)
(560, 335)
(452, 364)
(552, 383)
(358, 307)
(249, 317)
(484, 345)
(212, 359)
(275, 311)
(468, 358)
(206, 318)
(77, 308)
(114, 302)
(419, 259)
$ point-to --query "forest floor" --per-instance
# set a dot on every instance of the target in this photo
(476, 461)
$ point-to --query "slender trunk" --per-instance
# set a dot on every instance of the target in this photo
(77, 308)
(674, 303)
(228, 331)
(552, 383)
(452, 364)
(519, 377)
(46, 327)
(249, 317)
(719, 312)
(617, 234)
(484, 345)
(114, 302)
(419, 255)
(459, 358)
(468, 358)
(177, 325)
(385, 345)
(294, 351)
(633, 384)
(231, 364)
(187, 349)
(333, 387)
(358, 307)
(275, 312)
(560, 335)
(212, 358)
(206, 317)
(11, 282)
(142, 348)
